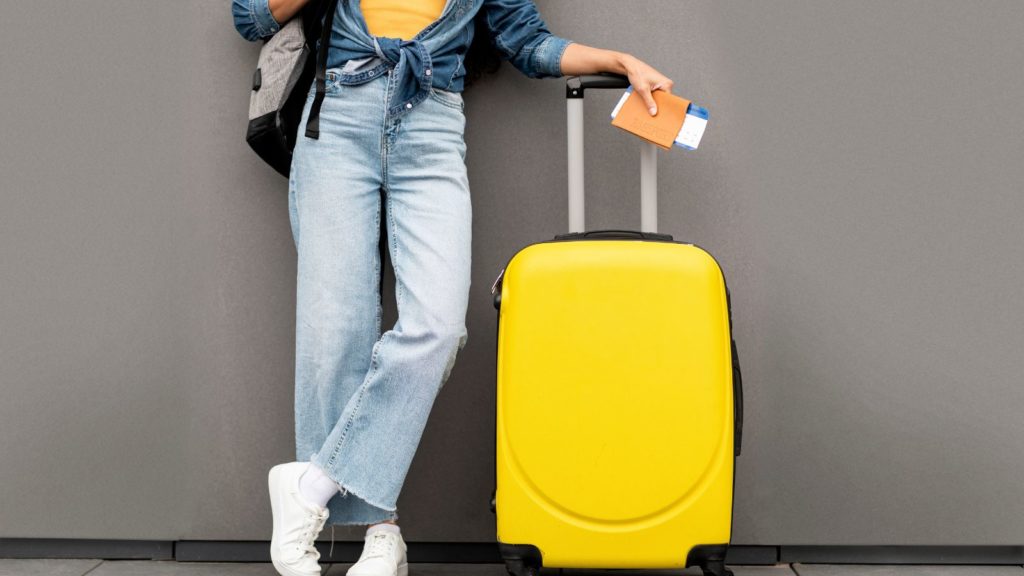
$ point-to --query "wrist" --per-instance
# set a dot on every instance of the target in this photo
(623, 62)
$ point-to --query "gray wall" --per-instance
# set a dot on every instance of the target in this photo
(859, 181)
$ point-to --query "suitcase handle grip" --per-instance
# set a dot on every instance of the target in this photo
(616, 234)
(575, 86)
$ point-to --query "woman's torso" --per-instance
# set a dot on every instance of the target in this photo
(434, 58)
(399, 18)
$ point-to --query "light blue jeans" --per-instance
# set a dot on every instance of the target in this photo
(361, 397)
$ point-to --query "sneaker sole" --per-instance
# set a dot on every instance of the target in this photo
(403, 569)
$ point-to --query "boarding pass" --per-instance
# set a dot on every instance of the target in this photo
(693, 125)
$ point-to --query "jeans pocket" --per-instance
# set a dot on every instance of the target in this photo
(448, 98)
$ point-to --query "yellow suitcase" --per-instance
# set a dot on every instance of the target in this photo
(619, 396)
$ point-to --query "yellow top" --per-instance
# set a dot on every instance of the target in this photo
(399, 18)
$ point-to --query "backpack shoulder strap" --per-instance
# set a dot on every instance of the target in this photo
(313, 122)
(312, 18)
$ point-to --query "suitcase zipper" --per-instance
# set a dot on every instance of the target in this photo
(496, 290)
(497, 281)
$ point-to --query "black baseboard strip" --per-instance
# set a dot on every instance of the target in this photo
(75, 548)
(344, 551)
(975, 555)
(453, 552)
(752, 555)
(419, 552)
(227, 551)
(487, 553)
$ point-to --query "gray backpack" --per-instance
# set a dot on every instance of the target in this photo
(282, 79)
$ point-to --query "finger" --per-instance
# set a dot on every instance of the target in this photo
(652, 106)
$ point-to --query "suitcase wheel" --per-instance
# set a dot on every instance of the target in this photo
(521, 559)
(521, 568)
(716, 568)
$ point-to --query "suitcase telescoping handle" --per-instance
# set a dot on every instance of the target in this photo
(576, 87)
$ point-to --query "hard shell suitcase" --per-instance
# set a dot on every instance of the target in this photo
(619, 395)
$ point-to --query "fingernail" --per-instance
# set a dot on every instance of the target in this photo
(654, 110)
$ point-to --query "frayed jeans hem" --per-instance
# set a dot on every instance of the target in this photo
(346, 490)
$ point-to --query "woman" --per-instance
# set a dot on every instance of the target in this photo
(392, 122)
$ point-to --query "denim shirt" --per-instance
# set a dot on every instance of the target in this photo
(432, 58)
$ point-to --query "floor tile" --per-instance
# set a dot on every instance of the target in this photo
(499, 570)
(431, 569)
(436, 569)
(173, 568)
(920, 570)
(79, 567)
(779, 570)
(45, 567)
(338, 569)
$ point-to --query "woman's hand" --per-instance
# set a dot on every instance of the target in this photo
(579, 59)
(645, 79)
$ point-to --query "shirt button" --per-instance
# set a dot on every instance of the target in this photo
(428, 72)
(408, 105)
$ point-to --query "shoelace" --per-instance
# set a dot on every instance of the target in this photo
(378, 545)
(312, 526)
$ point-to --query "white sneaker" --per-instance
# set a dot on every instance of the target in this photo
(383, 555)
(296, 523)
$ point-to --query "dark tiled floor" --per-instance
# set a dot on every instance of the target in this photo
(862, 570)
(33, 567)
(10, 567)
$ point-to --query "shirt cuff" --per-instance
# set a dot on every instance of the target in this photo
(262, 18)
(547, 56)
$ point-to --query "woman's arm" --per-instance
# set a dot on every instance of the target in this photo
(579, 59)
(256, 19)
(283, 10)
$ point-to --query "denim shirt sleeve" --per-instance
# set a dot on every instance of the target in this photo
(522, 37)
(253, 19)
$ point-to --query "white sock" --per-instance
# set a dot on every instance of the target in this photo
(383, 527)
(316, 486)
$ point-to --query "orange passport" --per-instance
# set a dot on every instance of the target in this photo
(661, 128)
